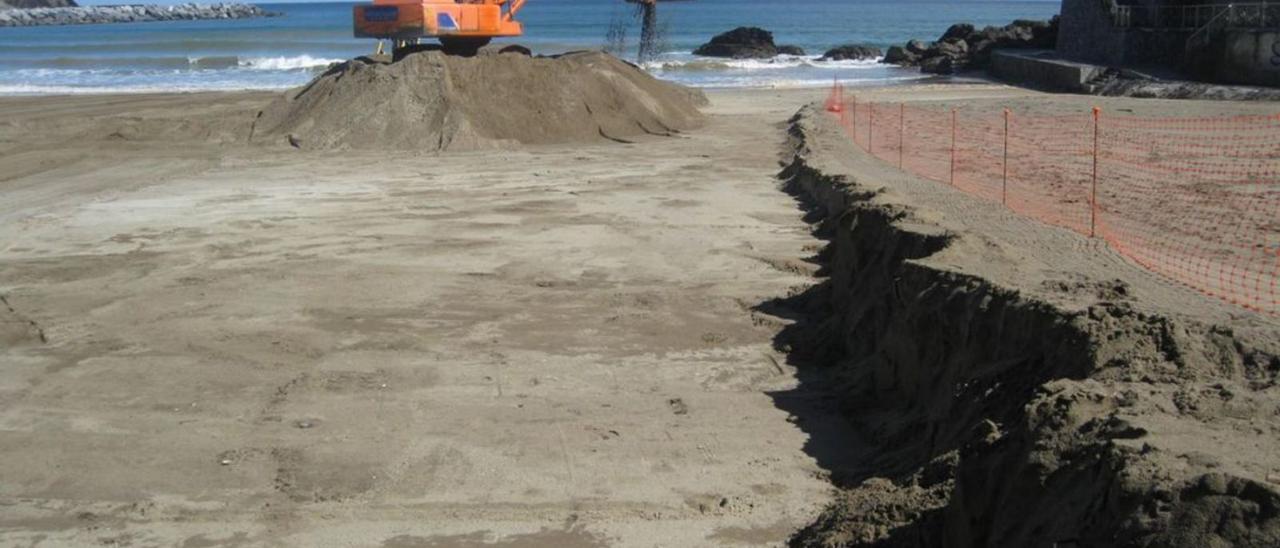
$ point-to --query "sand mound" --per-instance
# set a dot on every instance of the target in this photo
(433, 101)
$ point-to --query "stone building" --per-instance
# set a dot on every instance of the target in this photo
(1234, 42)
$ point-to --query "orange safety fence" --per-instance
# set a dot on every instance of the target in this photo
(1196, 200)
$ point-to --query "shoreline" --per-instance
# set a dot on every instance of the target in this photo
(849, 83)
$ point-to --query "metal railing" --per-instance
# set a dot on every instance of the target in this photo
(1196, 16)
(1204, 35)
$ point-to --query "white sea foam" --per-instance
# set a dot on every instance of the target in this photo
(747, 82)
(39, 89)
(781, 62)
(298, 62)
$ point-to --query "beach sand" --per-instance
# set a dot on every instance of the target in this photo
(212, 343)
(553, 345)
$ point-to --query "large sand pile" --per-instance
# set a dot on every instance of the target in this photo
(433, 101)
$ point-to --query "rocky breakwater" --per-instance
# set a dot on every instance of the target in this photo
(746, 43)
(853, 52)
(84, 15)
(964, 47)
(28, 4)
(757, 43)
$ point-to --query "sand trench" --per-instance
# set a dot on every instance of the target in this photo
(990, 415)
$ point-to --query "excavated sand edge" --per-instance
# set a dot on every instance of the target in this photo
(997, 412)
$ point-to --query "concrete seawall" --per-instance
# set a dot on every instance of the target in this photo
(86, 15)
(1041, 68)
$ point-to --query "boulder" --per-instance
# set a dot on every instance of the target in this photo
(937, 65)
(740, 43)
(989, 34)
(1044, 34)
(898, 55)
(980, 53)
(964, 47)
(855, 52)
(790, 50)
(954, 48)
(959, 30)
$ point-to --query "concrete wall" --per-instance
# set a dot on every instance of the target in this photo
(1248, 57)
(1085, 33)
(1041, 69)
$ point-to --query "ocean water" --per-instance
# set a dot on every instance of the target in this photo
(286, 51)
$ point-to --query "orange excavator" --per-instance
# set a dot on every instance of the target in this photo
(462, 26)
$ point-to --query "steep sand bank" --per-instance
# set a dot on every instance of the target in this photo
(1016, 385)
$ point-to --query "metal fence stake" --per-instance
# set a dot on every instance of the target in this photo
(1093, 192)
(953, 147)
(1004, 183)
(855, 119)
(902, 127)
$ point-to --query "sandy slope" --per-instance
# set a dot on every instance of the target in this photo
(1016, 384)
(250, 348)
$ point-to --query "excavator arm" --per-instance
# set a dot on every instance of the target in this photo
(513, 9)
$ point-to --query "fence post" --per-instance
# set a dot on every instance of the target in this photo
(1004, 180)
(953, 146)
(1093, 191)
(855, 119)
(902, 127)
(871, 127)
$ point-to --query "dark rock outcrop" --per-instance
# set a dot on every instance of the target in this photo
(740, 43)
(854, 52)
(964, 47)
(959, 30)
(898, 55)
(790, 50)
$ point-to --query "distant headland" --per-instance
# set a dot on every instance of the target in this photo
(29, 13)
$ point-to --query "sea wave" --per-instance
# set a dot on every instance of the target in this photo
(41, 89)
(781, 62)
(173, 62)
(298, 62)
(746, 82)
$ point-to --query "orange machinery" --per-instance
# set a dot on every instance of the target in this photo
(462, 26)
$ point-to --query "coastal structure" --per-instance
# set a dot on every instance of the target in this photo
(30, 14)
(1220, 41)
(29, 4)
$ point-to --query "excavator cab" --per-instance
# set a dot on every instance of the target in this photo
(461, 26)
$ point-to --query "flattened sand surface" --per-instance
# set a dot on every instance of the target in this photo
(549, 347)
(203, 343)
